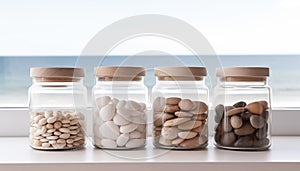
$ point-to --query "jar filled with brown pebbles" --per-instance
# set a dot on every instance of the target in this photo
(180, 108)
(242, 109)
(57, 106)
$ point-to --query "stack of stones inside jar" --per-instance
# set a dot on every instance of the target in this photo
(56, 129)
(179, 123)
(119, 124)
(242, 125)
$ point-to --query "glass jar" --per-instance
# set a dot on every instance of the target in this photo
(179, 107)
(242, 109)
(120, 99)
(57, 105)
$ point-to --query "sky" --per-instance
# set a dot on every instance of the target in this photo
(56, 27)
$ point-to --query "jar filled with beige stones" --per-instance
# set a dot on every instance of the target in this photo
(57, 106)
(120, 107)
(242, 108)
(180, 108)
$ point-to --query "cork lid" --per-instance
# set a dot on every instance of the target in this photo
(243, 73)
(119, 73)
(180, 73)
(57, 74)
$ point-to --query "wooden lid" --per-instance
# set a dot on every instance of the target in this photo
(57, 74)
(119, 73)
(243, 73)
(180, 73)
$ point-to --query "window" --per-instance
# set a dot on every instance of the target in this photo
(15, 78)
(40, 34)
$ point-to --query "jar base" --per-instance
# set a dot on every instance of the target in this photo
(202, 147)
(119, 148)
(57, 149)
(263, 148)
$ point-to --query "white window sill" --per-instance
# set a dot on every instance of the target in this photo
(17, 155)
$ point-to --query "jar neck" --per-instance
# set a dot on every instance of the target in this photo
(180, 82)
(119, 83)
(260, 83)
(57, 81)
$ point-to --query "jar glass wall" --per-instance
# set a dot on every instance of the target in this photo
(242, 109)
(179, 107)
(120, 107)
(57, 105)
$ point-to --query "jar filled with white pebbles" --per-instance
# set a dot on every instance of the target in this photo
(120, 98)
(57, 105)
(180, 108)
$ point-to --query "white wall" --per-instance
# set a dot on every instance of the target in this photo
(56, 27)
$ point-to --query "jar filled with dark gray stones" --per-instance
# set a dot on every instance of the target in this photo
(242, 109)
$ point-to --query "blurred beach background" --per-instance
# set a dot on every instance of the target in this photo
(15, 78)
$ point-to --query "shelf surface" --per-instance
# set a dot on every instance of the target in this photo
(15, 154)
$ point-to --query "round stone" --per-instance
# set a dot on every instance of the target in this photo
(135, 143)
(176, 121)
(182, 114)
(128, 128)
(186, 104)
(262, 132)
(122, 139)
(261, 143)
(164, 141)
(51, 120)
(173, 100)
(157, 120)
(246, 129)
(171, 108)
(142, 128)
(64, 136)
(133, 105)
(201, 117)
(240, 104)
(255, 108)
(199, 107)
(228, 139)
(194, 142)
(120, 120)
(167, 116)
(201, 129)
(107, 112)
(235, 111)
(177, 141)
(257, 121)
(236, 121)
(219, 113)
(169, 132)
(108, 143)
(109, 130)
(246, 141)
(189, 125)
(264, 104)
(187, 134)
(102, 101)
(135, 135)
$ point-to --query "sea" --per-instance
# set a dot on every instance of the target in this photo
(284, 80)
